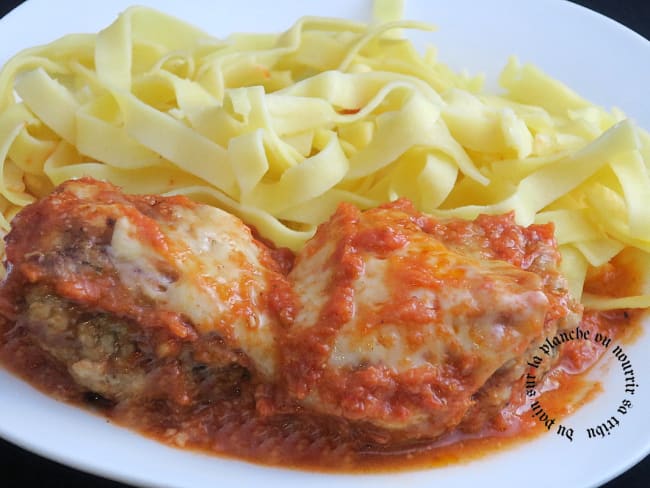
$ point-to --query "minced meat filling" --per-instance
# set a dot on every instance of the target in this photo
(119, 360)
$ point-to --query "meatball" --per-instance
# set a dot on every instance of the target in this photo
(407, 327)
(142, 296)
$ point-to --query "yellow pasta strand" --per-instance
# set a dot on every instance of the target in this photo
(280, 128)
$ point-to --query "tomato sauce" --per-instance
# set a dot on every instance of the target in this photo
(235, 427)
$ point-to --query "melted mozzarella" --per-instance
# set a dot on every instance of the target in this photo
(489, 288)
(415, 328)
(218, 281)
(313, 279)
(470, 314)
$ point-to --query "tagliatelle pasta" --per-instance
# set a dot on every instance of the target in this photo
(280, 128)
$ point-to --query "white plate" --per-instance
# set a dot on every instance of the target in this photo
(600, 59)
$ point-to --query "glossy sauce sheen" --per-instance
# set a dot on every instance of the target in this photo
(244, 422)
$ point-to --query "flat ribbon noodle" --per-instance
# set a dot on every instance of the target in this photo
(279, 128)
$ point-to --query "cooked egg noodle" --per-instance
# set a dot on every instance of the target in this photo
(280, 128)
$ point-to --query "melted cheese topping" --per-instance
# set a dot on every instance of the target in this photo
(217, 282)
(468, 311)
(313, 279)
(400, 329)
(471, 317)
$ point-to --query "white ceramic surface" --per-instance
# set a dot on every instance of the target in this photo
(599, 58)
